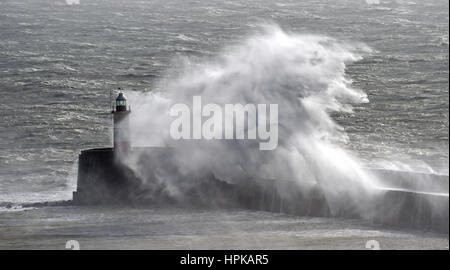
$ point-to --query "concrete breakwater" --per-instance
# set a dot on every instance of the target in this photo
(403, 200)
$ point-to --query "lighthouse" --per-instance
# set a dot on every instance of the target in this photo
(121, 124)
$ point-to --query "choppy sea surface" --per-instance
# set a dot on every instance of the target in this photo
(58, 63)
(131, 228)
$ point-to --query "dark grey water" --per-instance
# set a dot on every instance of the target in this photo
(58, 63)
(130, 228)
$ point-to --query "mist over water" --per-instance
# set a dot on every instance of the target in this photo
(304, 75)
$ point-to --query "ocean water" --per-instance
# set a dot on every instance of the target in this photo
(131, 228)
(59, 61)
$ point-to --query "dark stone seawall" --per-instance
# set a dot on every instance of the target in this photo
(102, 179)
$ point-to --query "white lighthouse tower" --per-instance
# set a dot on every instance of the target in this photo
(121, 125)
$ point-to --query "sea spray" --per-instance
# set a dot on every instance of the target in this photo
(72, 2)
(305, 76)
